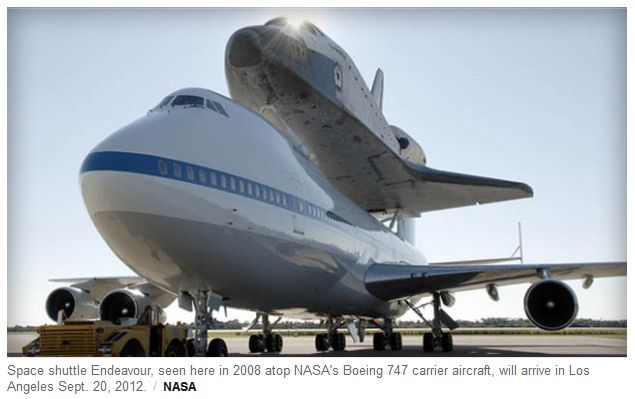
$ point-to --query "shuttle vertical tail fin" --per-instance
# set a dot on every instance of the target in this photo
(378, 87)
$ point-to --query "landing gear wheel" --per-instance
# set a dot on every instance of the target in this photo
(278, 342)
(395, 341)
(175, 349)
(428, 342)
(273, 342)
(379, 341)
(217, 348)
(321, 342)
(447, 343)
(256, 343)
(338, 341)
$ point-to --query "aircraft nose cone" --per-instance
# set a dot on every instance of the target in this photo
(244, 48)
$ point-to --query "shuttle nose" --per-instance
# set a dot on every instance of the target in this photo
(245, 48)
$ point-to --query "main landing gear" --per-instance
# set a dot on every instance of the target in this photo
(203, 321)
(267, 341)
(387, 337)
(437, 339)
(332, 339)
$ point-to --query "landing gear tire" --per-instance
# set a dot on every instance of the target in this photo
(321, 342)
(256, 343)
(428, 342)
(338, 341)
(379, 341)
(447, 343)
(217, 348)
(395, 341)
(273, 342)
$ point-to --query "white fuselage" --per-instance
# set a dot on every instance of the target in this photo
(192, 199)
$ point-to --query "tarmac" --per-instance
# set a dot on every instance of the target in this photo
(464, 346)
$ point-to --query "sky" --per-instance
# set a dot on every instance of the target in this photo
(531, 95)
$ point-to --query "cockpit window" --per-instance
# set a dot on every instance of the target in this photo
(165, 101)
(189, 100)
(313, 29)
(209, 105)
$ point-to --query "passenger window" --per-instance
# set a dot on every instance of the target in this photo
(220, 108)
(202, 177)
(249, 189)
(177, 170)
(241, 186)
(163, 167)
(223, 181)
(190, 173)
(232, 183)
(212, 178)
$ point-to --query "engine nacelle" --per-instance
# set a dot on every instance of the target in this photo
(76, 304)
(551, 305)
(124, 306)
(409, 148)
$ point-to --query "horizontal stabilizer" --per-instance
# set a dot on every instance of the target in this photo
(394, 281)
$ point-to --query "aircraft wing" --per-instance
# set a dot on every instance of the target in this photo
(415, 188)
(98, 287)
(395, 281)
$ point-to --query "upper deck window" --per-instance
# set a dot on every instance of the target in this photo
(194, 101)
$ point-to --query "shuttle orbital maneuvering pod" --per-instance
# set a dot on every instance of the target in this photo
(276, 201)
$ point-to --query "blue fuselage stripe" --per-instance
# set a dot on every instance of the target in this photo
(202, 176)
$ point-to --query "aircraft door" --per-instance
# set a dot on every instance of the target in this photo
(298, 219)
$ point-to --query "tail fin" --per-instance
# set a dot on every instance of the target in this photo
(378, 88)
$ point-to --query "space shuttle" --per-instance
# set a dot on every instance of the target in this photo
(293, 198)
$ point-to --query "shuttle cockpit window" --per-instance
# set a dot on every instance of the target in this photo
(280, 21)
(192, 101)
(313, 29)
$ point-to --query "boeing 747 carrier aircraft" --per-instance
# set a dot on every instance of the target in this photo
(278, 200)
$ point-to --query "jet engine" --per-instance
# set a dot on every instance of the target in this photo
(124, 306)
(75, 303)
(409, 148)
(551, 305)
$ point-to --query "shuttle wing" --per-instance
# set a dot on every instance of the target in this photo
(395, 281)
(98, 287)
(400, 184)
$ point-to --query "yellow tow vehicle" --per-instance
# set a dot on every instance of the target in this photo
(103, 338)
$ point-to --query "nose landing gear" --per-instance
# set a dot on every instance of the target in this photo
(202, 322)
